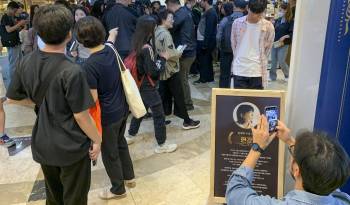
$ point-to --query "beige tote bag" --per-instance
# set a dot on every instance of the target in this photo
(131, 90)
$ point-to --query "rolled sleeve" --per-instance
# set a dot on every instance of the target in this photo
(240, 192)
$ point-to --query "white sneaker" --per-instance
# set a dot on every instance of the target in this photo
(285, 80)
(130, 183)
(106, 194)
(165, 148)
(130, 139)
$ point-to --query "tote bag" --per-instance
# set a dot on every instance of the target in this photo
(131, 90)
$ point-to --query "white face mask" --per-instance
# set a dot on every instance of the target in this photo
(281, 14)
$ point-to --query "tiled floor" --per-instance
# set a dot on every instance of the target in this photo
(180, 178)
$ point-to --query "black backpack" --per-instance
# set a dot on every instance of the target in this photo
(225, 44)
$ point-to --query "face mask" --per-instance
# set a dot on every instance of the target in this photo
(281, 14)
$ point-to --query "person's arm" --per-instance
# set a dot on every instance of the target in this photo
(220, 30)
(17, 26)
(239, 188)
(152, 65)
(169, 47)
(113, 33)
(269, 39)
(88, 126)
(210, 29)
(234, 38)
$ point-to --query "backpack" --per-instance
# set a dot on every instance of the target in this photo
(225, 44)
(130, 63)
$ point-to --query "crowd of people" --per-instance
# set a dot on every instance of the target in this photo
(65, 59)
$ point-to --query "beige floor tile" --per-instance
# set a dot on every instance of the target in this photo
(15, 192)
(95, 200)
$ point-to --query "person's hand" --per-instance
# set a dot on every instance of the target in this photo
(283, 38)
(74, 54)
(261, 135)
(95, 151)
(114, 32)
(164, 55)
(22, 22)
(283, 133)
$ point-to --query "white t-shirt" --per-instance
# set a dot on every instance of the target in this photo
(247, 62)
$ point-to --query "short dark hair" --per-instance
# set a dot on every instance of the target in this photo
(323, 162)
(228, 8)
(210, 2)
(257, 6)
(53, 23)
(241, 111)
(162, 15)
(155, 2)
(12, 5)
(172, 1)
(63, 3)
(90, 32)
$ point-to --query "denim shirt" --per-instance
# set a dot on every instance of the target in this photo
(239, 192)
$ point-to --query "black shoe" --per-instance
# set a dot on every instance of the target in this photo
(167, 122)
(148, 115)
(193, 124)
(189, 107)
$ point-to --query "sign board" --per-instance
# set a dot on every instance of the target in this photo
(233, 113)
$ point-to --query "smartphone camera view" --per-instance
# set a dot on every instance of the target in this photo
(272, 117)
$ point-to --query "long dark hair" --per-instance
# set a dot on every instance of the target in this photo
(32, 9)
(144, 33)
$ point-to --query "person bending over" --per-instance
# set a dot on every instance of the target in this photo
(319, 165)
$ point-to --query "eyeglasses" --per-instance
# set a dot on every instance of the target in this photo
(291, 150)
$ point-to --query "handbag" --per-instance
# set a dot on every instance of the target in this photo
(131, 90)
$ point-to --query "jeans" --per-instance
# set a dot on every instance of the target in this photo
(68, 185)
(116, 156)
(205, 63)
(169, 90)
(225, 69)
(185, 66)
(278, 55)
(152, 100)
(14, 56)
(241, 82)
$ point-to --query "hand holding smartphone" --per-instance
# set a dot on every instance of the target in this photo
(271, 113)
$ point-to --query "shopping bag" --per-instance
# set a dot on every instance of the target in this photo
(131, 90)
(95, 113)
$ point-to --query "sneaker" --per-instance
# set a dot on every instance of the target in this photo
(130, 139)
(130, 183)
(106, 194)
(193, 124)
(165, 148)
(285, 80)
(6, 141)
(167, 122)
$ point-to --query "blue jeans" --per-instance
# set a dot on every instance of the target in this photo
(14, 56)
(278, 55)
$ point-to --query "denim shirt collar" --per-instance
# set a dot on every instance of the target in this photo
(309, 198)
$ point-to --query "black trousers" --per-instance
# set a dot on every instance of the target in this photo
(205, 63)
(68, 185)
(169, 90)
(152, 100)
(241, 82)
(116, 156)
(225, 69)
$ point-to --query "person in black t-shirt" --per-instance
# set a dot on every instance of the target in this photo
(63, 131)
(104, 78)
(10, 39)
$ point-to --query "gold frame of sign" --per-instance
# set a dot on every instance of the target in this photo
(235, 140)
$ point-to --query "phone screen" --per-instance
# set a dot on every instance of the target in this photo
(272, 117)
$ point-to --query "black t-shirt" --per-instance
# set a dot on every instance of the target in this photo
(57, 138)
(7, 20)
(103, 74)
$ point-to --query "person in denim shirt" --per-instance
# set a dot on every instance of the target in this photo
(319, 165)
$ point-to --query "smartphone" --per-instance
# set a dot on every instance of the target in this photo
(271, 113)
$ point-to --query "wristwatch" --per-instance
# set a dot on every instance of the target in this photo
(257, 148)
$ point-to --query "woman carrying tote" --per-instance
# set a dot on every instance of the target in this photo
(170, 77)
(149, 67)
